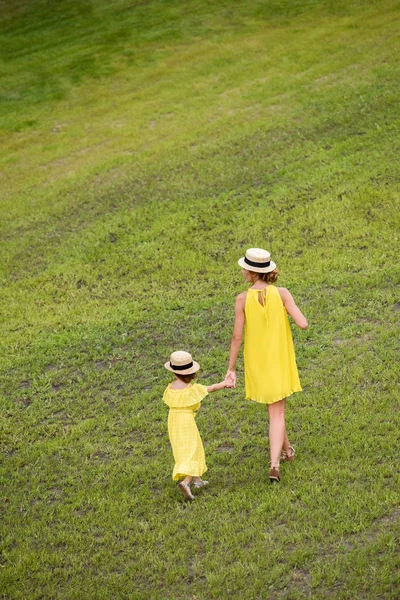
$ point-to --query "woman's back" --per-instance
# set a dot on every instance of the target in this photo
(270, 365)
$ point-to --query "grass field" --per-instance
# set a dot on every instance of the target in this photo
(145, 146)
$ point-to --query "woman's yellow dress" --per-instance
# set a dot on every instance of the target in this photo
(269, 359)
(184, 436)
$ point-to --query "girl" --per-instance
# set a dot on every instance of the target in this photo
(184, 399)
(270, 365)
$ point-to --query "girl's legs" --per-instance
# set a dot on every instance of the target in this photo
(184, 486)
(199, 482)
(277, 431)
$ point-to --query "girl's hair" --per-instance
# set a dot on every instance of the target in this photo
(186, 378)
(270, 277)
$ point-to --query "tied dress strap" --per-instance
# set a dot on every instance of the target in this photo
(264, 302)
(261, 297)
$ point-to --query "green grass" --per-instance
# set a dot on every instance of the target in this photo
(145, 146)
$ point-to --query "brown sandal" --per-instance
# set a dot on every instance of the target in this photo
(274, 476)
(289, 455)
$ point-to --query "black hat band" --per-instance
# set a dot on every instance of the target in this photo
(256, 264)
(180, 367)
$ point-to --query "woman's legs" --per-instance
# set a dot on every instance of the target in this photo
(286, 443)
(277, 431)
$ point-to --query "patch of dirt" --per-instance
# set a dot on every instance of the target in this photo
(83, 510)
(26, 401)
(136, 436)
(236, 433)
(103, 365)
(224, 448)
(301, 580)
(56, 494)
(103, 456)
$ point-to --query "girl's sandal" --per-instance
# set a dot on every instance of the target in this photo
(199, 484)
(289, 455)
(185, 489)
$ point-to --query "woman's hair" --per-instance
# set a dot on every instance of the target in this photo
(186, 378)
(270, 277)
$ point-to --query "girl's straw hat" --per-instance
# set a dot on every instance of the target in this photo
(257, 260)
(182, 363)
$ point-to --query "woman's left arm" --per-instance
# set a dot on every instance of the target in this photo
(236, 338)
(292, 309)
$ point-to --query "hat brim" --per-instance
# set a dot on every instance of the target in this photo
(244, 265)
(193, 369)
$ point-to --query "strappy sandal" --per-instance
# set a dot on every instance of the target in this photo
(274, 476)
(199, 484)
(289, 455)
(185, 489)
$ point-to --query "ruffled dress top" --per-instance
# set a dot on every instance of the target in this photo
(269, 358)
(184, 436)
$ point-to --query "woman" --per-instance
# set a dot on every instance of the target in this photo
(270, 364)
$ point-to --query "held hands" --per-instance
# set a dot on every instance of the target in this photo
(230, 378)
(228, 382)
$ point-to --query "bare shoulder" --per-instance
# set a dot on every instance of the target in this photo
(241, 300)
(284, 294)
(283, 291)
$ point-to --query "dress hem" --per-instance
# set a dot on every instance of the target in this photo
(192, 472)
(275, 400)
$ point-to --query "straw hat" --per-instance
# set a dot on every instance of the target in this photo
(182, 363)
(257, 260)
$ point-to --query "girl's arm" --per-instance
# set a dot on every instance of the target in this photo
(237, 336)
(292, 309)
(217, 386)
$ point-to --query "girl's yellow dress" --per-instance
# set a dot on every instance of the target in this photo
(269, 359)
(184, 436)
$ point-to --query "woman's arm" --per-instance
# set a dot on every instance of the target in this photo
(292, 309)
(237, 336)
